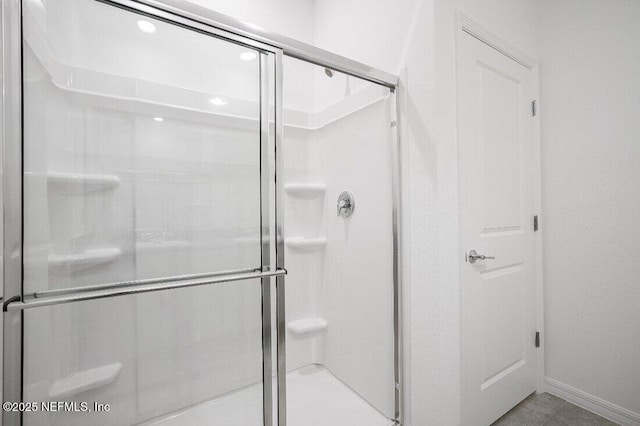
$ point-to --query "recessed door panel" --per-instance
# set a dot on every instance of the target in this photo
(500, 107)
(503, 316)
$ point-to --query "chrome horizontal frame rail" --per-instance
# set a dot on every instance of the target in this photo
(289, 46)
(143, 288)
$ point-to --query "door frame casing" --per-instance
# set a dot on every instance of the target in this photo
(465, 27)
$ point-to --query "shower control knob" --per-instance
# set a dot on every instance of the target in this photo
(346, 204)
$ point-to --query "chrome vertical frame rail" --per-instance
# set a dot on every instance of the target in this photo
(265, 230)
(281, 325)
(12, 204)
(396, 192)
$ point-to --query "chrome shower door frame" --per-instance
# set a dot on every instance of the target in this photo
(272, 48)
(15, 301)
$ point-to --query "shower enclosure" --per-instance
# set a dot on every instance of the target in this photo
(200, 222)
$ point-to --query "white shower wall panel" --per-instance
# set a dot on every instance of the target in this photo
(175, 350)
(169, 358)
(357, 289)
(183, 188)
(344, 285)
(209, 345)
(67, 339)
(197, 200)
(186, 201)
(59, 223)
(91, 36)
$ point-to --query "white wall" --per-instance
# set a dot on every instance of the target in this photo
(372, 32)
(590, 104)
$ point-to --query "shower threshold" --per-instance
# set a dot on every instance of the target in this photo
(315, 397)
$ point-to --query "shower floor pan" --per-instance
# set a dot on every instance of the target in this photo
(315, 397)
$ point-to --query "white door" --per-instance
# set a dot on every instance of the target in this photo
(496, 219)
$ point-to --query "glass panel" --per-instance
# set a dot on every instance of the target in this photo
(339, 300)
(178, 357)
(142, 148)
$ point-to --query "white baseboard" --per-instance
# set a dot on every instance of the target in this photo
(603, 408)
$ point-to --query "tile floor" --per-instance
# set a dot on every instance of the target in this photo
(548, 410)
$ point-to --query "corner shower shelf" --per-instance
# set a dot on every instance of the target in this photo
(78, 184)
(306, 244)
(307, 325)
(85, 259)
(305, 190)
(84, 380)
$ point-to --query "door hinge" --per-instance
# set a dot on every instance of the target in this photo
(537, 339)
(534, 108)
(394, 123)
(535, 223)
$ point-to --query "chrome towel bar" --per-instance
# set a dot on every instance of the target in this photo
(76, 295)
(134, 283)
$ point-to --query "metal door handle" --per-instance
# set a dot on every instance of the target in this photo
(473, 256)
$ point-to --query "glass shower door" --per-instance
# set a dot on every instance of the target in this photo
(142, 164)
(339, 245)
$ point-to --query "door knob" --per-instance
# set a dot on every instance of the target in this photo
(473, 256)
